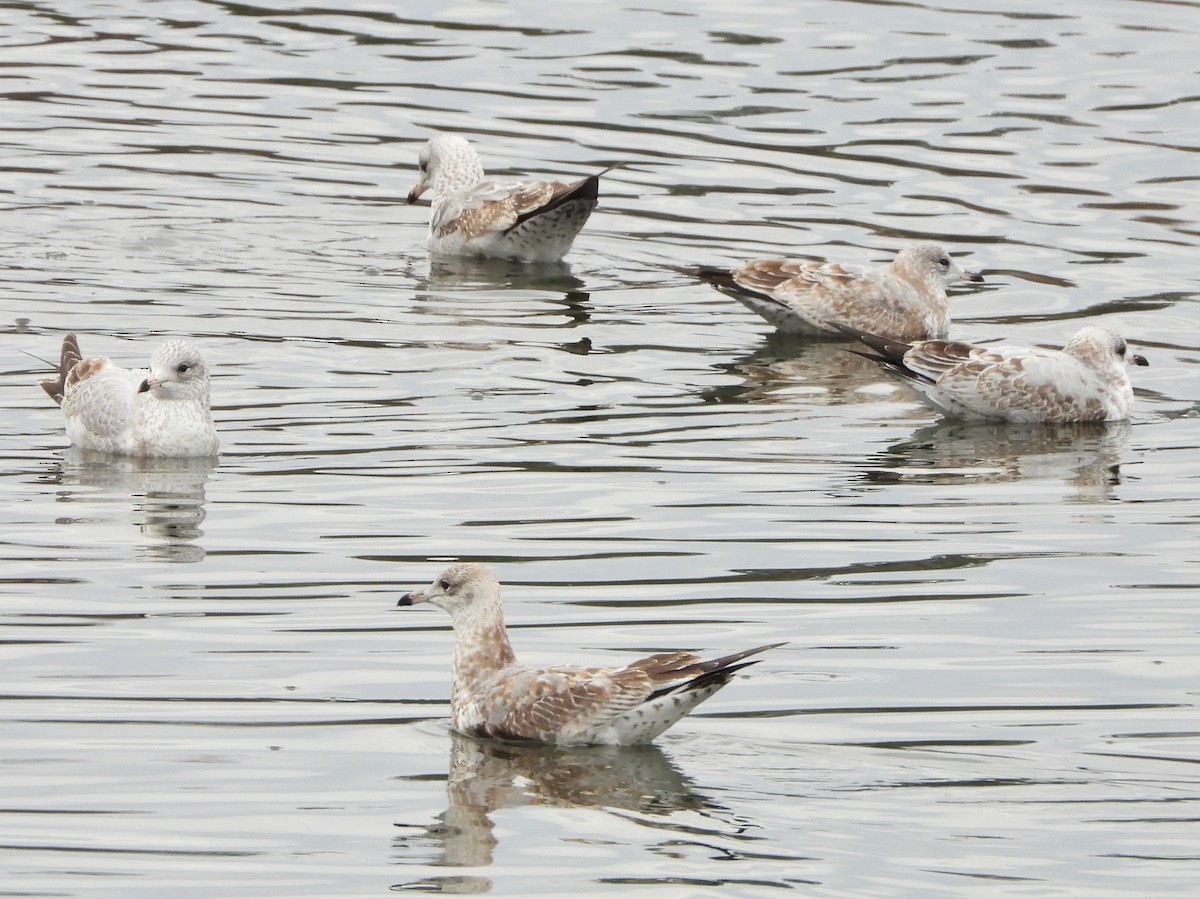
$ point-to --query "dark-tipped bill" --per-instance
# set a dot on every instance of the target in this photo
(411, 599)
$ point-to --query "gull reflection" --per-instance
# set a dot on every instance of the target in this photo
(485, 777)
(453, 281)
(478, 273)
(824, 371)
(1084, 457)
(163, 498)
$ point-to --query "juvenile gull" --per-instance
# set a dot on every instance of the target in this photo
(905, 301)
(496, 696)
(160, 412)
(532, 221)
(1086, 380)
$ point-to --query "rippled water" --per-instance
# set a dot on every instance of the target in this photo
(991, 682)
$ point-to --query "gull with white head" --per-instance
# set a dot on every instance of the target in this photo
(1087, 380)
(495, 696)
(905, 301)
(160, 412)
(530, 221)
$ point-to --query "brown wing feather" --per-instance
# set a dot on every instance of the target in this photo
(924, 360)
(584, 190)
(677, 667)
(488, 216)
(765, 275)
(586, 698)
(930, 359)
(665, 664)
(68, 359)
(526, 200)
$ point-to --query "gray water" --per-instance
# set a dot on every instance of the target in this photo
(990, 684)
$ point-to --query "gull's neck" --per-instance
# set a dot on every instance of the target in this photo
(481, 644)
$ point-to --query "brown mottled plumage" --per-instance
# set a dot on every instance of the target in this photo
(69, 358)
(905, 301)
(497, 697)
(532, 221)
(1086, 380)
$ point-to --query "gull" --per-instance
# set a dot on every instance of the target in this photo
(905, 301)
(495, 696)
(160, 412)
(1086, 380)
(531, 221)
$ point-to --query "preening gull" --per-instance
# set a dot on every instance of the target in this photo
(905, 301)
(496, 696)
(160, 412)
(1086, 380)
(532, 221)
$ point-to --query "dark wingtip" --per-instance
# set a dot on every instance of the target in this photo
(723, 669)
(853, 333)
(68, 358)
(721, 279)
(885, 346)
(70, 355)
(588, 188)
(718, 677)
(53, 388)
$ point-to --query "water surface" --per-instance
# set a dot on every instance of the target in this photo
(990, 683)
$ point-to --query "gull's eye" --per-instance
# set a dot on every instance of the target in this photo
(1122, 348)
(444, 585)
(182, 368)
(944, 262)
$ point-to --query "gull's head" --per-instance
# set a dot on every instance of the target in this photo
(447, 162)
(177, 371)
(929, 262)
(1102, 347)
(461, 589)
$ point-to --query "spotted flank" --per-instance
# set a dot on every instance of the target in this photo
(494, 696)
(530, 221)
(1085, 381)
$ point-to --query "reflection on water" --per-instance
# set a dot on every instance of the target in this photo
(1085, 458)
(471, 273)
(486, 777)
(824, 371)
(163, 498)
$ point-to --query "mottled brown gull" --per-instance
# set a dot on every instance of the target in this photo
(1087, 380)
(495, 696)
(160, 412)
(905, 301)
(531, 221)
